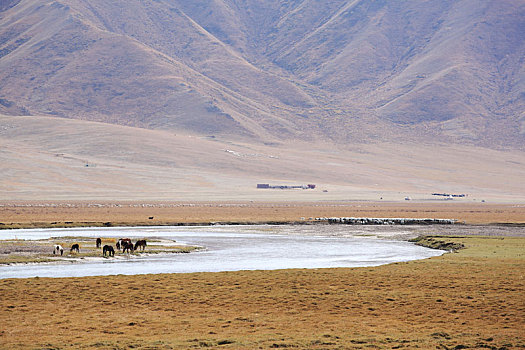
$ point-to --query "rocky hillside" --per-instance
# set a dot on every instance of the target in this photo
(344, 70)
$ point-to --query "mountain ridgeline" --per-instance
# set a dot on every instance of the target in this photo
(344, 71)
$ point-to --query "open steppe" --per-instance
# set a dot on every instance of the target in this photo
(469, 299)
(472, 298)
(55, 159)
(17, 214)
(147, 112)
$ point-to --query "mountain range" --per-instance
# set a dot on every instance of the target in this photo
(298, 76)
(270, 70)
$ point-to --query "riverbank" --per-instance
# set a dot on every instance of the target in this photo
(39, 214)
(227, 248)
(20, 251)
(469, 299)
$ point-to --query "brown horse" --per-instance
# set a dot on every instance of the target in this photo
(99, 242)
(75, 247)
(127, 246)
(141, 244)
(121, 241)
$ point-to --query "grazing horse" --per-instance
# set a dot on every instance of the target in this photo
(108, 249)
(75, 247)
(58, 248)
(141, 243)
(121, 241)
(99, 242)
(127, 246)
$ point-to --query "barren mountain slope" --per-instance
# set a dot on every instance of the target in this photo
(454, 67)
(359, 70)
(67, 60)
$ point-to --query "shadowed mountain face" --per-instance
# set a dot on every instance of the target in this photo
(270, 70)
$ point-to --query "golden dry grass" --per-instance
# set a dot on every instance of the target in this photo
(34, 214)
(472, 299)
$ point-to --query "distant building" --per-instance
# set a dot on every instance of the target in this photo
(286, 187)
(449, 195)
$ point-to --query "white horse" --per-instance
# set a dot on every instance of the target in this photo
(58, 248)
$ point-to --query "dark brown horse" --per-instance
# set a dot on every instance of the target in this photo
(99, 242)
(75, 247)
(140, 244)
(127, 246)
(121, 241)
(108, 249)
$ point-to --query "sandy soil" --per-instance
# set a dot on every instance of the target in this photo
(45, 158)
(74, 213)
(470, 299)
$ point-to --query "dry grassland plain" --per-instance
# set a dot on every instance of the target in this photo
(97, 213)
(469, 299)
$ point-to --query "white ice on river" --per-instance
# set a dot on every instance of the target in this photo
(231, 248)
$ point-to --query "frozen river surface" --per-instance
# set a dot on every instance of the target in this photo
(229, 248)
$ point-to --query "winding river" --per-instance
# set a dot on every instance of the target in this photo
(230, 248)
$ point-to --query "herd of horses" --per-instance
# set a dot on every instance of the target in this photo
(123, 244)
